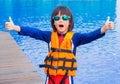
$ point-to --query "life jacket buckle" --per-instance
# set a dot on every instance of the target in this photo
(55, 67)
(58, 50)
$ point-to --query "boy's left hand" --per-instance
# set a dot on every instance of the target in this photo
(109, 25)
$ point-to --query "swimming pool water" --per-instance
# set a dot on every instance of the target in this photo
(98, 61)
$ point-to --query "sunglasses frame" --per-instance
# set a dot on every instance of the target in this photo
(64, 18)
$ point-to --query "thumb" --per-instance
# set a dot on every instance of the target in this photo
(108, 20)
(10, 19)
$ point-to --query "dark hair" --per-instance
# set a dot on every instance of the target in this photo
(64, 11)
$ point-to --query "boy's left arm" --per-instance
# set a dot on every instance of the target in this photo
(79, 39)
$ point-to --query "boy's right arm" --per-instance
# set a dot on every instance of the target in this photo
(27, 31)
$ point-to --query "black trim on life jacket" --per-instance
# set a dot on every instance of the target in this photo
(60, 50)
(57, 67)
(50, 58)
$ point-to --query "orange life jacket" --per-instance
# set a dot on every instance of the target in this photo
(60, 59)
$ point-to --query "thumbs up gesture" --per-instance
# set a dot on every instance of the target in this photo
(11, 26)
(109, 25)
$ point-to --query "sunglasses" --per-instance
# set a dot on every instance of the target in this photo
(65, 18)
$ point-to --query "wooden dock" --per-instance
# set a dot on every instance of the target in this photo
(15, 68)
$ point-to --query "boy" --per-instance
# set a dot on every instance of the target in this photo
(60, 63)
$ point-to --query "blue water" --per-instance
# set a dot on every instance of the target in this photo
(98, 61)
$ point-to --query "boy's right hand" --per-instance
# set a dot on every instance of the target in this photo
(10, 25)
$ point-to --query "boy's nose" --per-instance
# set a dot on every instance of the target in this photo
(61, 19)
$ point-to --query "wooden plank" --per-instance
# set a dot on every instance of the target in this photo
(15, 68)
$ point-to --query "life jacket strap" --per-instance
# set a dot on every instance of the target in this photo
(64, 78)
(50, 58)
(60, 50)
(57, 67)
(59, 59)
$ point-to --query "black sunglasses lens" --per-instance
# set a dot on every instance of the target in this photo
(56, 18)
(65, 17)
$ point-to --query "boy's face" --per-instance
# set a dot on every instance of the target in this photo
(61, 25)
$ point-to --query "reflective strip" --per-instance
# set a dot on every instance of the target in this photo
(70, 79)
(47, 80)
